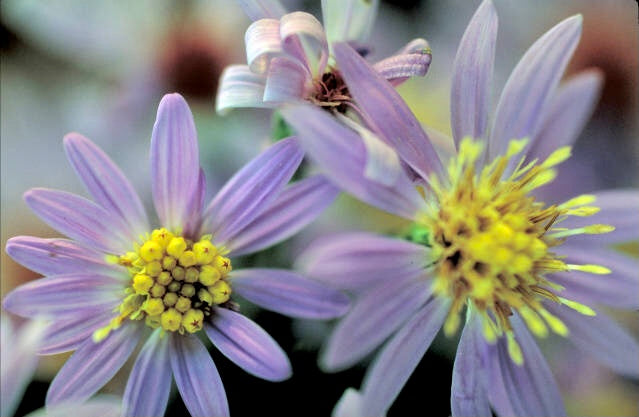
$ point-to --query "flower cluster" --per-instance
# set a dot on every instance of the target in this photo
(490, 253)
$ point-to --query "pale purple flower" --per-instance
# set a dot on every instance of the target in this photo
(118, 283)
(290, 59)
(488, 245)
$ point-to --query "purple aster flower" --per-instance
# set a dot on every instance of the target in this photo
(484, 242)
(289, 56)
(117, 282)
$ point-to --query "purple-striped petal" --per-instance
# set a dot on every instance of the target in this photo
(196, 377)
(567, 114)
(263, 43)
(194, 221)
(373, 317)
(342, 156)
(619, 289)
(93, 365)
(468, 397)
(358, 260)
(106, 183)
(386, 112)
(532, 84)
(149, 384)
(619, 208)
(262, 9)
(240, 87)
(398, 359)
(348, 20)
(175, 163)
(528, 389)
(251, 190)
(63, 294)
(601, 337)
(248, 345)
(80, 219)
(303, 37)
(298, 205)
(472, 75)
(69, 333)
(412, 61)
(286, 81)
(289, 293)
(58, 256)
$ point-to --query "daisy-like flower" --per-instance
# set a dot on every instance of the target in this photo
(484, 243)
(119, 282)
(289, 56)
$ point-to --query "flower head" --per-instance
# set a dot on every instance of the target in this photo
(483, 240)
(289, 57)
(118, 281)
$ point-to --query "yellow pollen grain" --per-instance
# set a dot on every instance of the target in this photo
(193, 320)
(171, 319)
(142, 283)
(209, 275)
(178, 273)
(187, 258)
(157, 290)
(168, 263)
(154, 306)
(191, 275)
(176, 247)
(204, 252)
(151, 251)
(164, 278)
(153, 268)
(170, 299)
(162, 237)
(221, 292)
(187, 290)
(183, 304)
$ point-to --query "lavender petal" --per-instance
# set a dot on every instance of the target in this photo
(251, 190)
(80, 219)
(342, 156)
(398, 359)
(287, 81)
(192, 365)
(58, 256)
(531, 85)
(263, 43)
(298, 205)
(303, 37)
(618, 289)
(386, 112)
(69, 333)
(373, 317)
(240, 87)
(468, 397)
(530, 389)
(149, 384)
(601, 337)
(413, 62)
(63, 295)
(358, 260)
(248, 346)
(106, 183)
(93, 365)
(175, 163)
(567, 114)
(472, 75)
(289, 293)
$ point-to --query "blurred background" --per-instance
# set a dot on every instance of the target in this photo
(100, 68)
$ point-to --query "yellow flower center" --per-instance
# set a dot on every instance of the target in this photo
(492, 242)
(175, 282)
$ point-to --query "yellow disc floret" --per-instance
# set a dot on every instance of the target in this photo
(492, 242)
(175, 283)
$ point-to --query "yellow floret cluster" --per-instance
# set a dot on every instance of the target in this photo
(491, 241)
(175, 282)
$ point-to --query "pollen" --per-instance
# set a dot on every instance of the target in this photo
(175, 283)
(492, 243)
